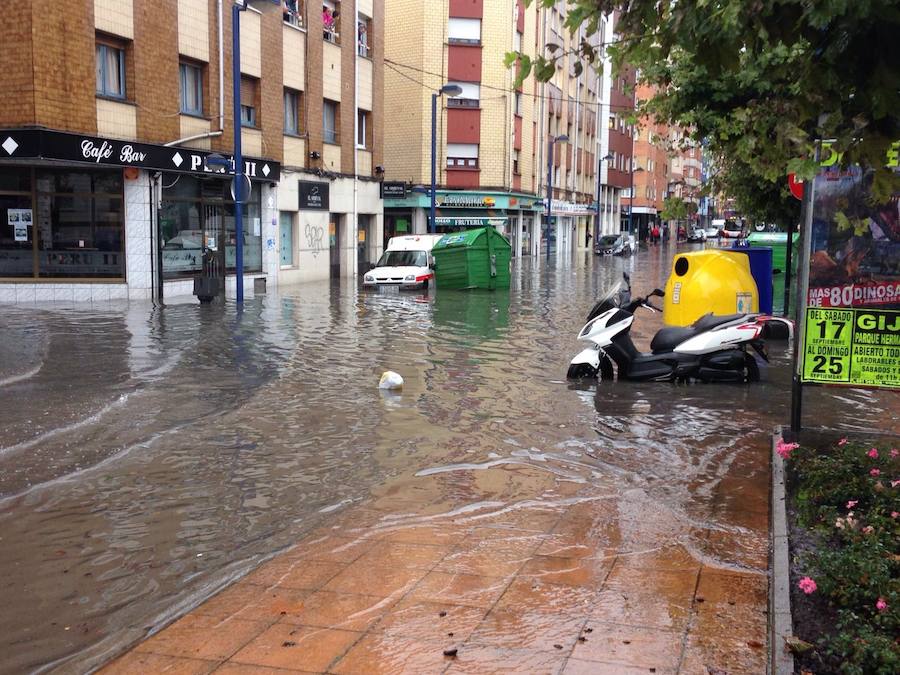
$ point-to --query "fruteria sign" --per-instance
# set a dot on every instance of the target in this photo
(852, 327)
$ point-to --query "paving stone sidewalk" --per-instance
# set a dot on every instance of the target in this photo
(532, 590)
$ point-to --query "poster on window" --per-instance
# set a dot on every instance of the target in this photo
(852, 331)
(855, 243)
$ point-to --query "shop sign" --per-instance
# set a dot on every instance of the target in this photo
(56, 145)
(470, 222)
(393, 190)
(465, 199)
(313, 196)
(852, 327)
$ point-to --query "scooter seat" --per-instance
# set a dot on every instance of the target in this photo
(708, 321)
(668, 338)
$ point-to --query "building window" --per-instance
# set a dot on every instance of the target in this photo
(362, 128)
(249, 97)
(329, 121)
(68, 222)
(196, 216)
(462, 155)
(110, 71)
(517, 41)
(363, 42)
(464, 31)
(469, 98)
(191, 89)
(291, 112)
(517, 103)
(292, 12)
(516, 170)
(331, 21)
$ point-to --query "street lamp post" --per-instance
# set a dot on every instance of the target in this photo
(449, 90)
(553, 139)
(239, 196)
(599, 188)
(631, 197)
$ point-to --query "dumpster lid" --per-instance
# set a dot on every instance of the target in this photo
(464, 238)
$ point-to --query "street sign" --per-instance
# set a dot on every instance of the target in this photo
(393, 190)
(240, 189)
(796, 186)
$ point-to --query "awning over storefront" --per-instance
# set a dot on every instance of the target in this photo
(451, 199)
(468, 221)
(43, 144)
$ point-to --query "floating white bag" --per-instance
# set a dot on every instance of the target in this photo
(390, 380)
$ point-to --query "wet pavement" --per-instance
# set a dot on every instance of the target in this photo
(151, 457)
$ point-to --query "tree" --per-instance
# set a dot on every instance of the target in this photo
(674, 208)
(760, 80)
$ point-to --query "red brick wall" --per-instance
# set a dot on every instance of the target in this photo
(155, 87)
(64, 65)
(16, 75)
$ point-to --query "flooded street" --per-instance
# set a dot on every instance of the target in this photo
(150, 456)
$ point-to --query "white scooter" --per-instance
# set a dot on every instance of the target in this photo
(713, 349)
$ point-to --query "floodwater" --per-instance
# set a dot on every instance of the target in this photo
(149, 456)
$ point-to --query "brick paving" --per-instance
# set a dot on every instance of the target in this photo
(542, 590)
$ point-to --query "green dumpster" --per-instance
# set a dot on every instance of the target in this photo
(472, 259)
(777, 241)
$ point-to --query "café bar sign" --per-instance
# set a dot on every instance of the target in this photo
(60, 146)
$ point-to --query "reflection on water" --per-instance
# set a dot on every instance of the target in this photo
(148, 456)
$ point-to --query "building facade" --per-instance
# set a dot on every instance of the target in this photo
(492, 140)
(117, 145)
(652, 165)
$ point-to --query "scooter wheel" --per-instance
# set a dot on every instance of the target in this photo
(581, 371)
(752, 368)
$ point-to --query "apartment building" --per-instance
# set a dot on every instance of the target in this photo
(652, 166)
(492, 140)
(116, 144)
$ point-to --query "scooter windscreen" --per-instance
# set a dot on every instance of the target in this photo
(614, 297)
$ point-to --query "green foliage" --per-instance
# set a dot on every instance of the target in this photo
(674, 208)
(846, 496)
(760, 80)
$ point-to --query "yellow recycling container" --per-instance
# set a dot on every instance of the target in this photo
(711, 281)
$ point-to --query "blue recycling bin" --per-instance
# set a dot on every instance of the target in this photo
(761, 270)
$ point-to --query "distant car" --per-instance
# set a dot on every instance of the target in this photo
(613, 244)
(697, 234)
(712, 230)
(731, 230)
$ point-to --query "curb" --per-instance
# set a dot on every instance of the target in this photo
(781, 661)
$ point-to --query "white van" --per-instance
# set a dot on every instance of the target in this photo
(407, 263)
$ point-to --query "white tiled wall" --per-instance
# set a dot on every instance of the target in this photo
(138, 237)
(114, 16)
(116, 120)
(193, 29)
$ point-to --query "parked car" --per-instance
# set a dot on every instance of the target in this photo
(613, 244)
(697, 234)
(406, 264)
(731, 230)
(712, 230)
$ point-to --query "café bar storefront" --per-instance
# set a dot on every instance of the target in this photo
(516, 216)
(92, 219)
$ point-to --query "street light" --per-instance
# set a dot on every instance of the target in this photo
(239, 196)
(599, 188)
(631, 196)
(553, 139)
(449, 90)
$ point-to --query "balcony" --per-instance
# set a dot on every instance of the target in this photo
(292, 12)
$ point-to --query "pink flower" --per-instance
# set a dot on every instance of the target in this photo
(852, 503)
(873, 453)
(895, 483)
(881, 605)
(894, 452)
(784, 449)
(807, 585)
(875, 472)
(842, 442)
(894, 514)
(839, 523)
(868, 529)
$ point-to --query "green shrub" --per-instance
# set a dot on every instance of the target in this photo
(849, 496)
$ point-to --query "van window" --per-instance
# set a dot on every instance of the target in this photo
(403, 259)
